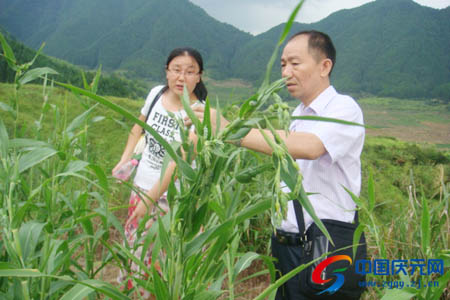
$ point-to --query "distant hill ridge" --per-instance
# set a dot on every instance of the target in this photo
(387, 47)
(110, 84)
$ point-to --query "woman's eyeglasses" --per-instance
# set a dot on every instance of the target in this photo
(179, 72)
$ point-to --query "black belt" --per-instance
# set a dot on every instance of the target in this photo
(290, 238)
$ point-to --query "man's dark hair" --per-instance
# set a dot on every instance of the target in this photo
(319, 43)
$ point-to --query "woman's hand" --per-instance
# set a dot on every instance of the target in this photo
(145, 205)
(199, 112)
(142, 209)
(118, 166)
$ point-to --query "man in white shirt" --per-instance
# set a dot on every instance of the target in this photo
(327, 153)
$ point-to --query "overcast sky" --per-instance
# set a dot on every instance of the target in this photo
(257, 16)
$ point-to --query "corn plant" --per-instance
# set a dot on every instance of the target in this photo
(410, 236)
(22, 76)
(55, 214)
(195, 243)
(54, 211)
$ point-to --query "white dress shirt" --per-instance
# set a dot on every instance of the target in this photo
(339, 167)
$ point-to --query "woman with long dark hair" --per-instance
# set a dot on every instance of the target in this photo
(184, 68)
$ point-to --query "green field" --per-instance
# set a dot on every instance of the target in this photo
(409, 120)
(86, 211)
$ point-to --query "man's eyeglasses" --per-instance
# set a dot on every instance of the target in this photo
(178, 72)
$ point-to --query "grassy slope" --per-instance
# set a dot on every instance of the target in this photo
(409, 120)
(384, 156)
(107, 137)
(389, 160)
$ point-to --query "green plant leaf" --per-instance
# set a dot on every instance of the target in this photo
(101, 176)
(6, 265)
(244, 262)
(253, 210)
(274, 286)
(35, 74)
(400, 294)
(79, 120)
(371, 192)
(187, 107)
(425, 227)
(78, 291)
(355, 198)
(187, 170)
(442, 285)
(4, 140)
(218, 210)
(198, 221)
(239, 134)
(29, 234)
(161, 290)
(163, 235)
(325, 119)
(34, 157)
(218, 116)
(131, 117)
(76, 166)
(247, 175)
(8, 53)
(7, 108)
(290, 174)
(248, 106)
(283, 36)
(356, 238)
(83, 78)
(207, 118)
(28, 144)
(96, 80)
(101, 287)
(304, 201)
(208, 295)
(198, 242)
(20, 273)
(36, 55)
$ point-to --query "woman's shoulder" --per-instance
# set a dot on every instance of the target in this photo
(154, 91)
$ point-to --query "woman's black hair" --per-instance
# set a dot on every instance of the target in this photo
(200, 89)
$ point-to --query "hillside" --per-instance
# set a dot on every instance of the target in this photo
(109, 84)
(131, 35)
(385, 48)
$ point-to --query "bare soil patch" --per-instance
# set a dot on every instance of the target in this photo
(428, 132)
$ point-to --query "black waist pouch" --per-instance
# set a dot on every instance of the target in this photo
(339, 268)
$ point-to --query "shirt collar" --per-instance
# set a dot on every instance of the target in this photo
(319, 104)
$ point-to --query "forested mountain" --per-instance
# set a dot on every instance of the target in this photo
(386, 47)
(109, 84)
(134, 35)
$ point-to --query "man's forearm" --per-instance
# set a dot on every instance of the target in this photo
(301, 145)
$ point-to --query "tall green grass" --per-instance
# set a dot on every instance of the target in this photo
(196, 262)
(55, 213)
(57, 204)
